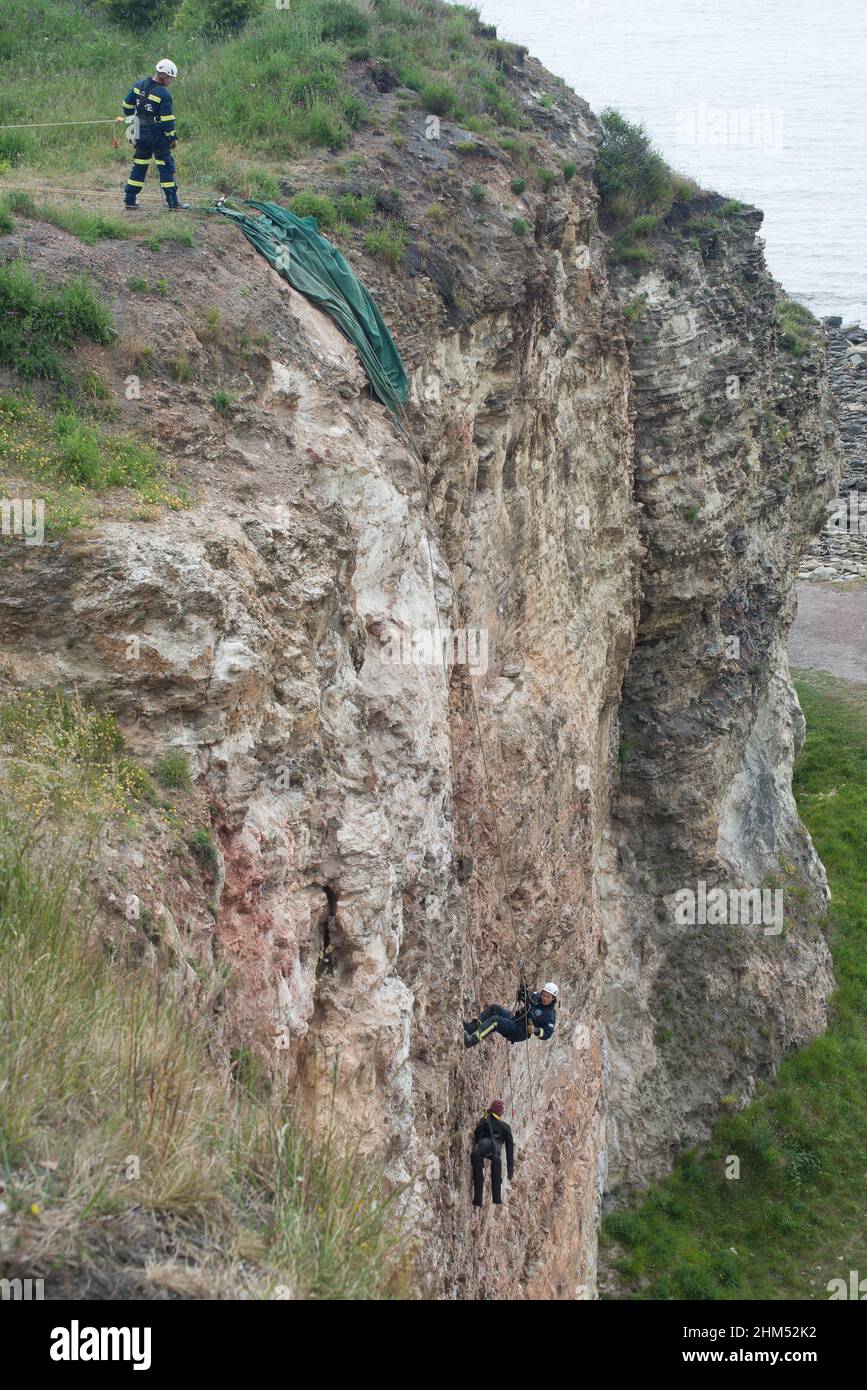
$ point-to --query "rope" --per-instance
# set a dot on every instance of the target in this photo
(422, 473)
(43, 125)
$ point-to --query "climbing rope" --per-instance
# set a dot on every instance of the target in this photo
(44, 125)
(421, 471)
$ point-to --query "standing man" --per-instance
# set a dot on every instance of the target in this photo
(150, 105)
(491, 1134)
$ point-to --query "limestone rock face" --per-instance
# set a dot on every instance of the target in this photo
(588, 518)
(735, 455)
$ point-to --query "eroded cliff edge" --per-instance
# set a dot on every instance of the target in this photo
(597, 504)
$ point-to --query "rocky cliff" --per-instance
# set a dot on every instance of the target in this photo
(579, 488)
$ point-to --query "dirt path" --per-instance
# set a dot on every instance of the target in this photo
(830, 631)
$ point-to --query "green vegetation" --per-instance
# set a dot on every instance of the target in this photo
(105, 1067)
(635, 308)
(797, 328)
(569, 171)
(89, 227)
(439, 98)
(37, 323)
(631, 176)
(388, 242)
(202, 845)
(629, 245)
(172, 771)
(519, 226)
(62, 758)
(318, 205)
(285, 76)
(223, 401)
(355, 208)
(70, 457)
(795, 1217)
(546, 178)
(172, 233)
(518, 185)
(478, 194)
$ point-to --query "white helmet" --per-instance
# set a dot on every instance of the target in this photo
(167, 66)
(550, 988)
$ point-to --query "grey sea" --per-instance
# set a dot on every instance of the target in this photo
(761, 100)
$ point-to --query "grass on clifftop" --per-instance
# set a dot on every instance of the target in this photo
(278, 81)
(124, 1146)
(796, 1217)
(636, 185)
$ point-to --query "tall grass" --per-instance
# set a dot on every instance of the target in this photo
(796, 1216)
(38, 323)
(111, 1102)
(279, 84)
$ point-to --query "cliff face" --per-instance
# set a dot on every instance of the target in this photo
(735, 454)
(588, 503)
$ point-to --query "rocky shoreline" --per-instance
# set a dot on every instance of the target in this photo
(839, 552)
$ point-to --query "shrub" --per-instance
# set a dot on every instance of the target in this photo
(179, 368)
(477, 193)
(631, 176)
(37, 323)
(213, 18)
(201, 844)
(439, 98)
(519, 226)
(340, 20)
(795, 327)
(172, 771)
(388, 242)
(569, 171)
(635, 308)
(355, 208)
(318, 205)
(223, 401)
(518, 185)
(546, 178)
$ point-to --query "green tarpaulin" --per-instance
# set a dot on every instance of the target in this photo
(316, 269)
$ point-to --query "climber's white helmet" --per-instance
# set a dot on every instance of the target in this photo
(165, 65)
(550, 988)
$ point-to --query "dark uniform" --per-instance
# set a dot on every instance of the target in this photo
(151, 102)
(513, 1025)
(490, 1136)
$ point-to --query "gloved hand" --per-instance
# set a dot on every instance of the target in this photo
(173, 140)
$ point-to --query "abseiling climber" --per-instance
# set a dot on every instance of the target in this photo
(533, 1016)
(491, 1134)
(150, 105)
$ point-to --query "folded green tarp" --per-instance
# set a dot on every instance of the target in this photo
(316, 269)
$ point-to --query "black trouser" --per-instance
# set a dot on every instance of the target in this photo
(478, 1158)
(147, 149)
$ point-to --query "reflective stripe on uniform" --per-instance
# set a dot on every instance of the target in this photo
(164, 184)
(134, 183)
(161, 161)
(141, 161)
(152, 96)
(137, 91)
